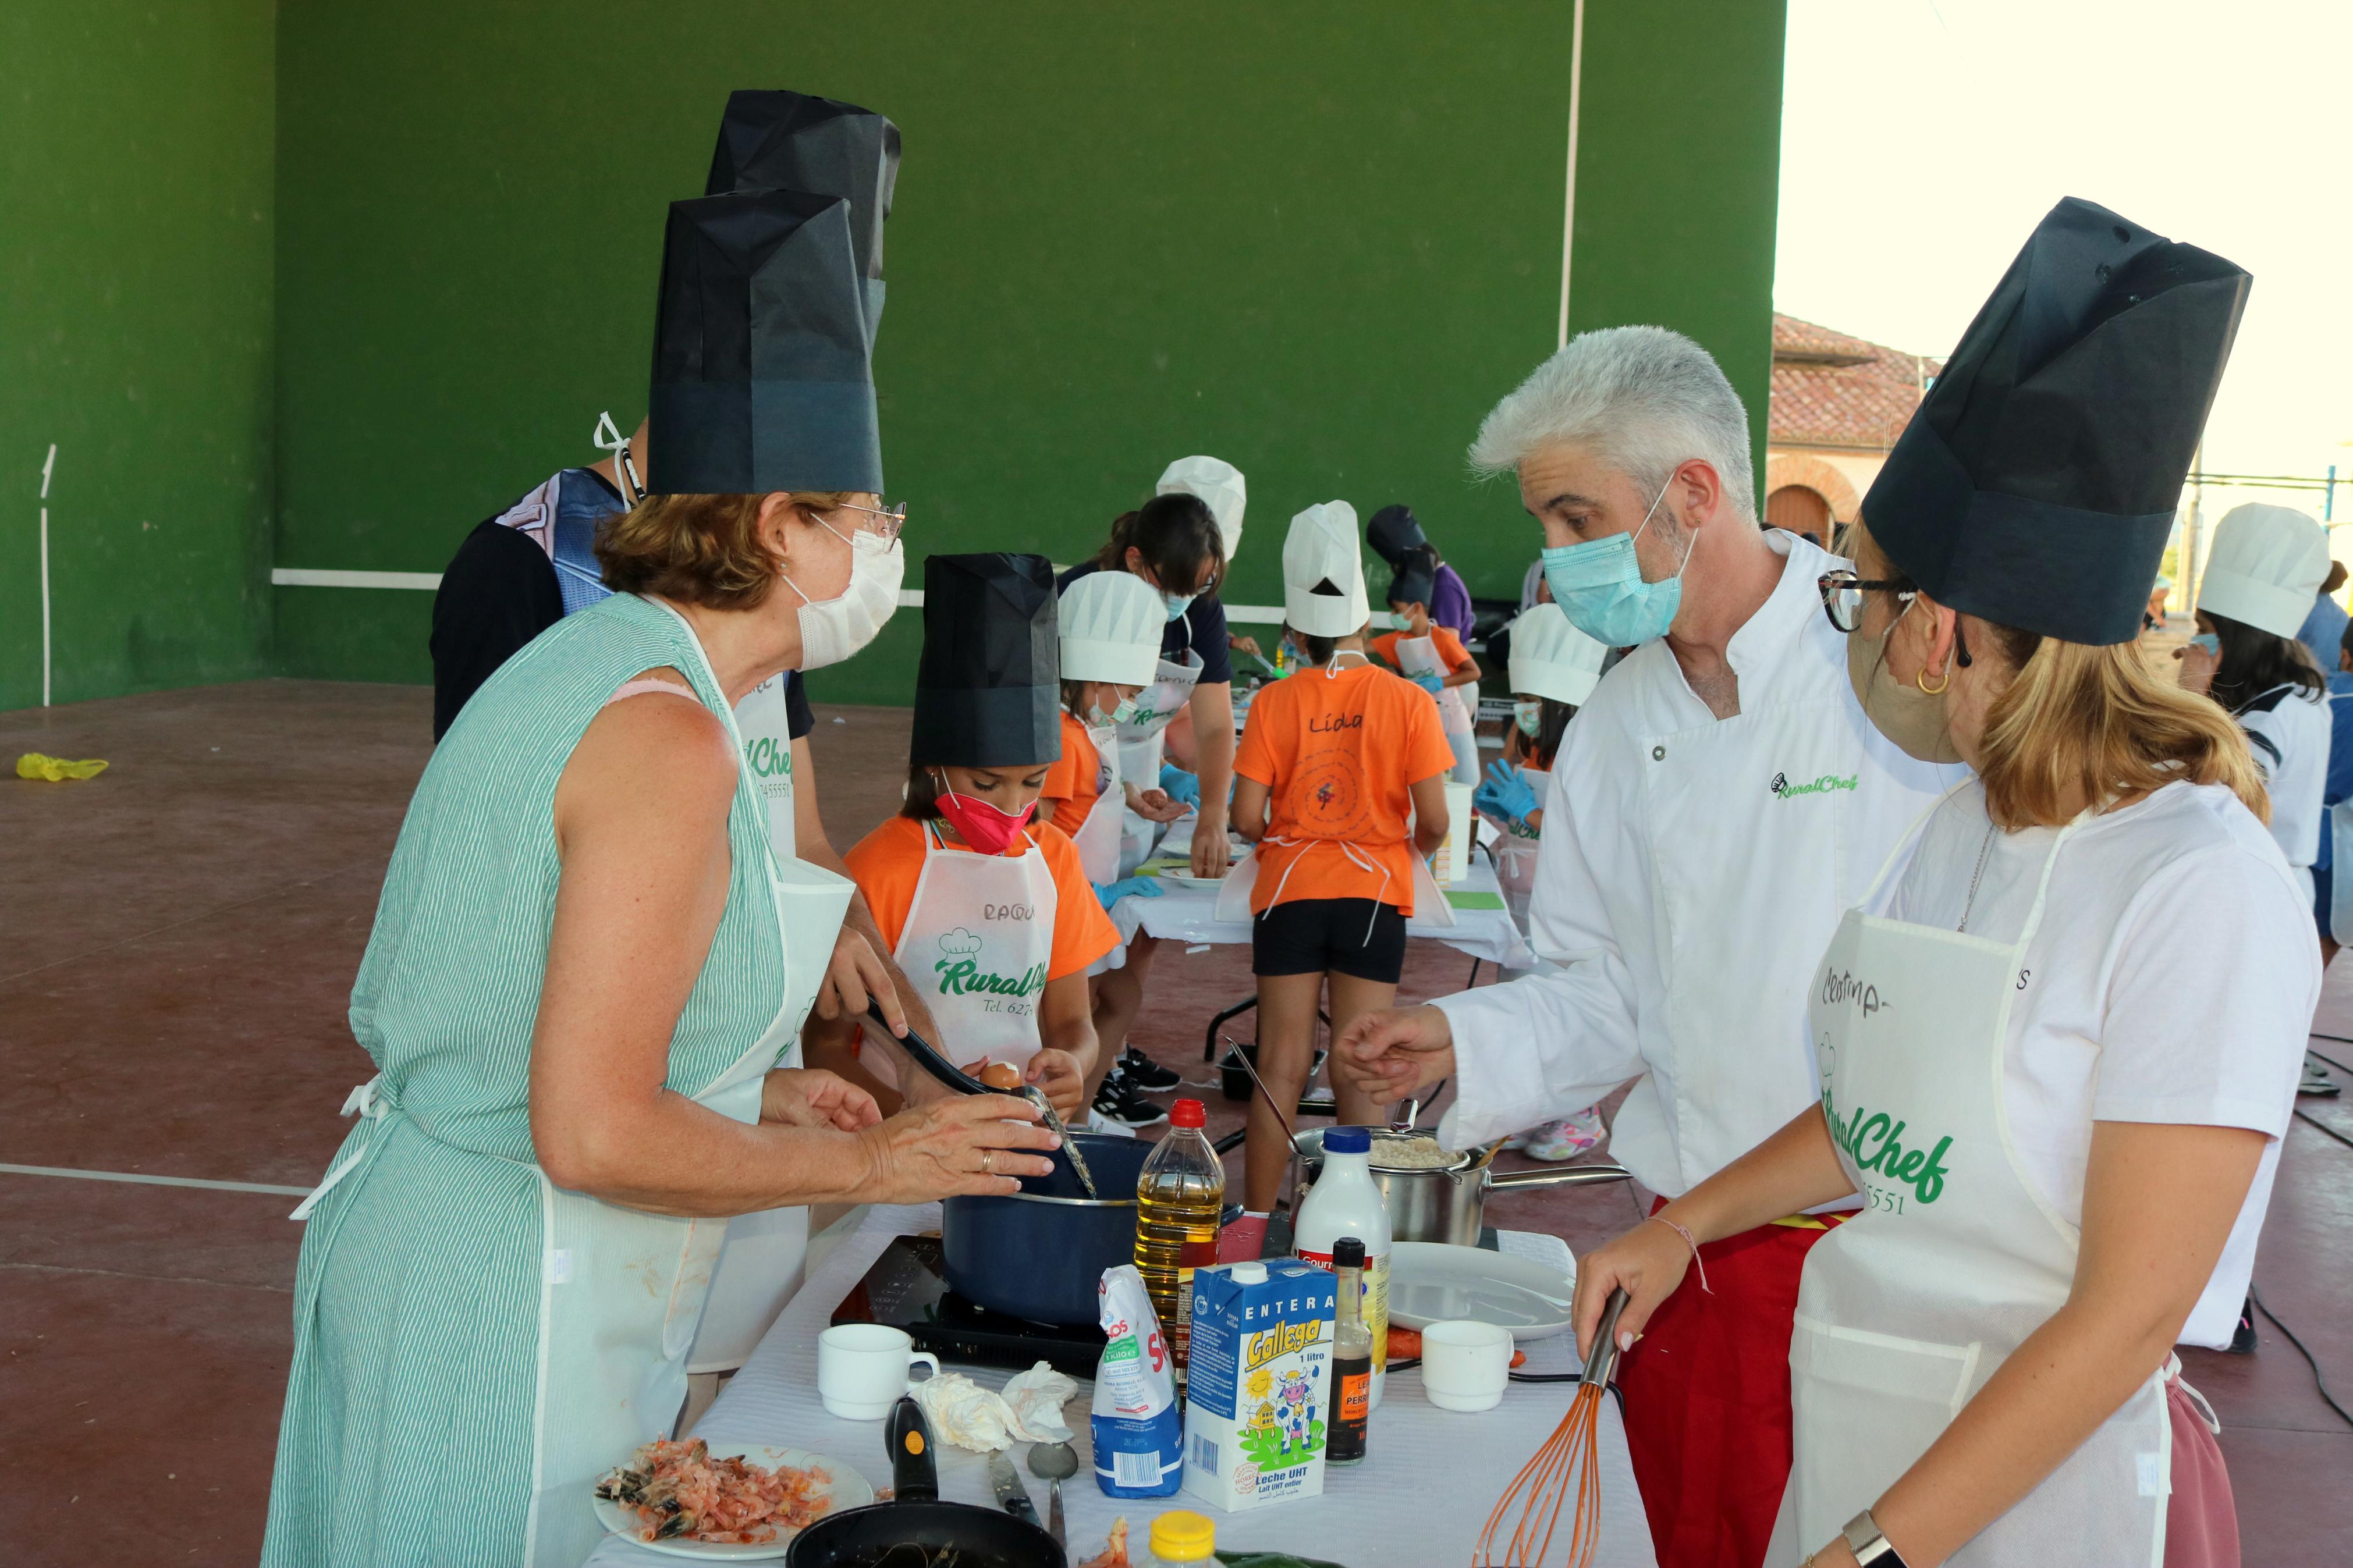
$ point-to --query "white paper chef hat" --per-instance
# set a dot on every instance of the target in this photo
(1110, 624)
(1216, 482)
(1323, 547)
(2266, 567)
(1550, 657)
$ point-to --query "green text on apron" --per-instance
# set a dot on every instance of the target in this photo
(622, 1292)
(1907, 1309)
(1139, 744)
(978, 939)
(766, 724)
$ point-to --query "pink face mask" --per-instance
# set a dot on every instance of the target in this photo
(981, 825)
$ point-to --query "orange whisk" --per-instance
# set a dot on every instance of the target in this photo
(1567, 1462)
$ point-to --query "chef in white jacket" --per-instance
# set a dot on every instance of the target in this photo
(1732, 801)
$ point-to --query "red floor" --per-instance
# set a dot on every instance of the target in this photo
(177, 941)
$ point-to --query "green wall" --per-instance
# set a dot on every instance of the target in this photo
(1318, 240)
(136, 177)
(322, 284)
(1679, 179)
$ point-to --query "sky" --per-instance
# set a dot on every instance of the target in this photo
(1921, 140)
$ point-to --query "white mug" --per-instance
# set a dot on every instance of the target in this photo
(1465, 1365)
(861, 1369)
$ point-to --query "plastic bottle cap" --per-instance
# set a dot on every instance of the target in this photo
(1180, 1535)
(1347, 1141)
(1188, 1113)
(1250, 1273)
(1348, 1252)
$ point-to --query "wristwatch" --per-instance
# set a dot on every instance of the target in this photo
(1871, 1549)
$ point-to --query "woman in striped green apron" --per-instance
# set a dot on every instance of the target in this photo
(587, 969)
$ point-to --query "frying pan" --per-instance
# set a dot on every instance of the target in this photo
(915, 1529)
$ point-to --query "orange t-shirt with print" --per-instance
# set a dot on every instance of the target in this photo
(1339, 754)
(888, 862)
(1074, 782)
(1450, 650)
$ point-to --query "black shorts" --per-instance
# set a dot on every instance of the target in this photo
(1359, 937)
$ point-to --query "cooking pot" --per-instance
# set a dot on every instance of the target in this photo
(915, 1526)
(1445, 1202)
(1040, 1253)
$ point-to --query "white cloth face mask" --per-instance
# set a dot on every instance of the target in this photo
(834, 630)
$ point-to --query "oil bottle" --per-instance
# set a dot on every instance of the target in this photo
(1352, 1358)
(1180, 1198)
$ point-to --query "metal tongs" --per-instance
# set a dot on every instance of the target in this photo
(929, 1058)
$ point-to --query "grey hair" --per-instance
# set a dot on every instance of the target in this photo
(1643, 398)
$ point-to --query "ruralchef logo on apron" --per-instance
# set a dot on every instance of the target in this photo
(768, 760)
(1889, 1156)
(1824, 785)
(961, 974)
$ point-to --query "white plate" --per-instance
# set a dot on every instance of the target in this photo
(1431, 1282)
(848, 1489)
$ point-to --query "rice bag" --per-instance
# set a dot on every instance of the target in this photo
(1139, 1433)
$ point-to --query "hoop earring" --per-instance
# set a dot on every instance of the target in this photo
(1921, 680)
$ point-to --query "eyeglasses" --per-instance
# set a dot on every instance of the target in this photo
(892, 518)
(1843, 596)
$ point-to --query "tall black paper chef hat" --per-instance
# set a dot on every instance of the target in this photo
(1392, 532)
(772, 139)
(761, 374)
(2036, 483)
(988, 690)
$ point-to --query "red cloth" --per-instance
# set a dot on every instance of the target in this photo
(1707, 1401)
(2201, 1522)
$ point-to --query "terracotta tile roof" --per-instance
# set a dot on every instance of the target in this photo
(1833, 389)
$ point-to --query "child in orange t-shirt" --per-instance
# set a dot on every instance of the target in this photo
(1331, 763)
(988, 912)
(1410, 591)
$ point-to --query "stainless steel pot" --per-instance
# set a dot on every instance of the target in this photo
(1446, 1203)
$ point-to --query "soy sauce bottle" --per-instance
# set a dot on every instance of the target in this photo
(1352, 1358)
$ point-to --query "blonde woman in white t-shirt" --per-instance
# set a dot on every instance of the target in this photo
(2058, 1098)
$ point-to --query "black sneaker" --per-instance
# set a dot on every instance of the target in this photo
(1146, 1074)
(2243, 1339)
(1117, 1100)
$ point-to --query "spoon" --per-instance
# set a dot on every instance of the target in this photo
(1054, 1462)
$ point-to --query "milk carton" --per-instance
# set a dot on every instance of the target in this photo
(1260, 1384)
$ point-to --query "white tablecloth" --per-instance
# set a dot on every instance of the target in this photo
(1191, 915)
(1419, 1499)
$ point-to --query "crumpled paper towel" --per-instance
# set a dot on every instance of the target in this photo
(1029, 1410)
(57, 770)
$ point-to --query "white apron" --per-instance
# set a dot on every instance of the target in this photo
(1141, 742)
(1098, 837)
(1907, 1308)
(979, 938)
(765, 723)
(1419, 655)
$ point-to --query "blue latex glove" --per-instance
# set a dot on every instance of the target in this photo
(1142, 887)
(1506, 793)
(1180, 785)
(1430, 681)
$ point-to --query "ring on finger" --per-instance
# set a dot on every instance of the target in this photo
(988, 1161)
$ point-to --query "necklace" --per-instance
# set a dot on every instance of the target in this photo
(1984, 850)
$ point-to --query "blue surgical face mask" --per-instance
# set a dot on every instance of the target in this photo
(1176, 603)
(2208, 641)
(1599, 585)
(1529, 717)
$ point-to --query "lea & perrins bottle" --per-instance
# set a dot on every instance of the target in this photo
(1352, 1357)
(1180, 1198)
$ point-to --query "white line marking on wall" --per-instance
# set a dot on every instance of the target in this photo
(1569, 213)
(48, 465)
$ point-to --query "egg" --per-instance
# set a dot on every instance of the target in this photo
(1002, 1075)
